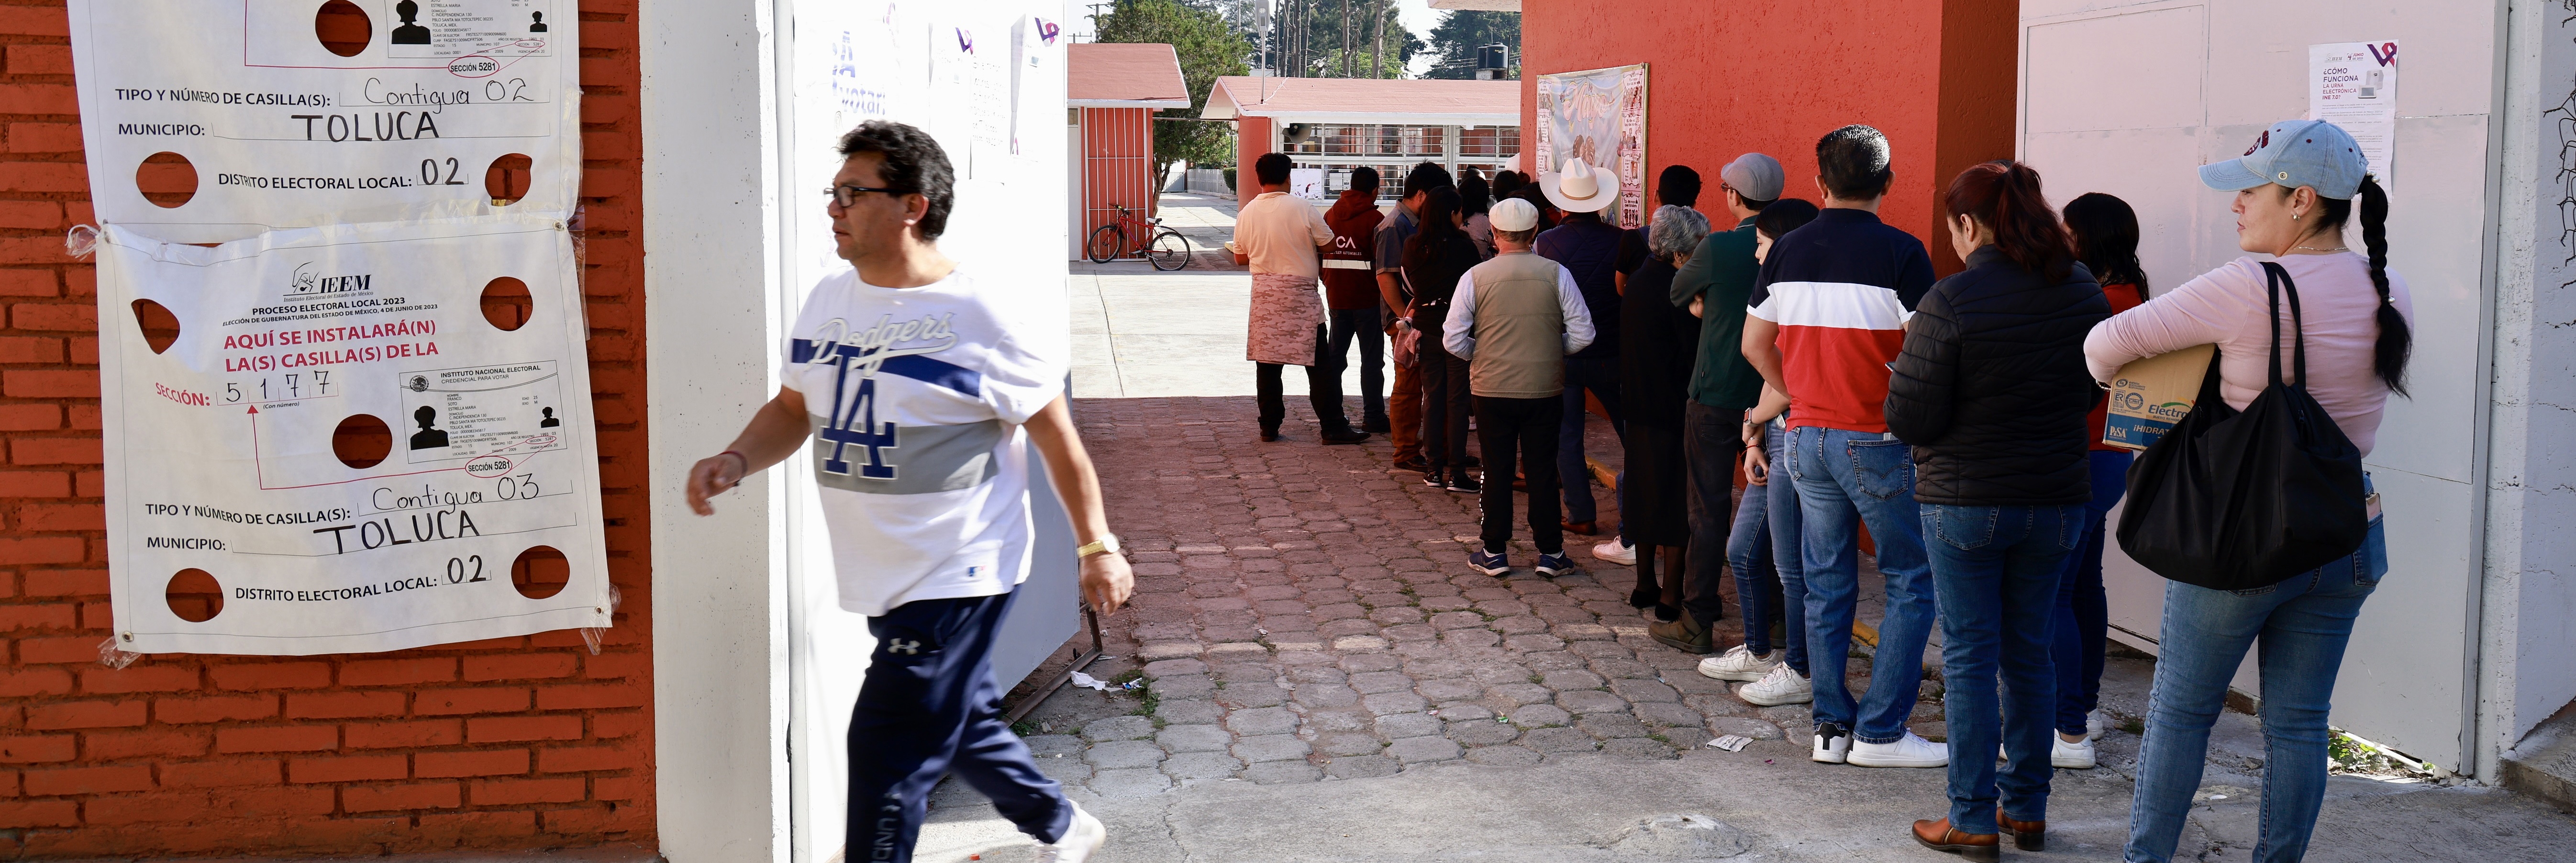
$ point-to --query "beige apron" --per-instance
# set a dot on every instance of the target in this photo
(1285, 313)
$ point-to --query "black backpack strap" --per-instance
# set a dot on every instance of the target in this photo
(2277, 281)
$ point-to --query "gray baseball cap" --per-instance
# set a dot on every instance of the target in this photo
(2295, 153)
(1754, 177)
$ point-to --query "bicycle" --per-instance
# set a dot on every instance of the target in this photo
(1163, 247)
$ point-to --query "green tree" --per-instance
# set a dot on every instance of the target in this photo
(1455, 40)
(1208, 49)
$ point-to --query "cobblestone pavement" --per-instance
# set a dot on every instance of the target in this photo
(1302, 613)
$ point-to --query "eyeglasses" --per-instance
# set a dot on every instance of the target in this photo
(848, 195)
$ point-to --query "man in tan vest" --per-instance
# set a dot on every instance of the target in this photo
(1514, 319)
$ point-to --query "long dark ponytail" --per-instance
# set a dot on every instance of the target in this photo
(2396, 339)
(2004, 196)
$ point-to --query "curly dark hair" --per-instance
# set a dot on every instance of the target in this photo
(914, 162)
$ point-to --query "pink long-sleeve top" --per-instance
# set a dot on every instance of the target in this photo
(2227, 307)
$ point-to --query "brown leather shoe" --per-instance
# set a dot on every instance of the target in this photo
(1586, 528)
(2027, 835)
(1683, 633)
(1940, 836)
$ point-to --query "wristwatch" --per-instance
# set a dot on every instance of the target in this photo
(1107, 543)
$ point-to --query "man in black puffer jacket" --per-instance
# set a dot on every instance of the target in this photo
(1992, 392)
(1991, 389)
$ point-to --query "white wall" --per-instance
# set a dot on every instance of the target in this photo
(2130, 97)
(711, 301)
(2529, 649)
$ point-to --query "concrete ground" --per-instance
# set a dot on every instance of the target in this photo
(1329, 682)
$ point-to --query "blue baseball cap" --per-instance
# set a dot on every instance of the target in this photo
(2295, 153)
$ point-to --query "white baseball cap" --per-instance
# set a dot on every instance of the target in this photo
(1513, 214)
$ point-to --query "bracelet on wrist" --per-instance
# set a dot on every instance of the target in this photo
(746, 460)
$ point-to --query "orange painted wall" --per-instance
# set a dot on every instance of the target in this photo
(1117, 166)
(514, 743)
(1937, 76)
(1251, 142)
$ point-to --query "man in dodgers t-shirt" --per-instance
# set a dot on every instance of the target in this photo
(921, 386)
(1826, 316)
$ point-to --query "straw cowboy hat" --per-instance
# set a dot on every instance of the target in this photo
(1579, 188)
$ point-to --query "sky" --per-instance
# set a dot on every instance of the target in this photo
(1417, 15)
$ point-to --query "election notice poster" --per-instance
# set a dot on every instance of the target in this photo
(1599, 116)
(371, 111)
(358, 438)
(2354, 85)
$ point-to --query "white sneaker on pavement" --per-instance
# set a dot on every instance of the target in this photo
(1781, 685)
(1616, 552)
(2094, 723)
(1081, 839)
(2075, 756)
(1832, 744)
(1908, 751)
(1738, 663)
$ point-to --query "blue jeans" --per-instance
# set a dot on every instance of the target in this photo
(1996, 569)
(2083, 611)
(1601, 377)
(1767, 520)
(1847, 479)
(1364, 326)
(2303, 623)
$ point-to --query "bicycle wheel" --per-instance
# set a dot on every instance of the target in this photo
(1170, 250)
(1106, 243)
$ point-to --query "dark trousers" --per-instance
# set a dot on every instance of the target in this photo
(1445, 404)
(1323, 390)
(1364, 326)
(1525, 428)
(929, 707)
(1712, 443)
(1599, 375)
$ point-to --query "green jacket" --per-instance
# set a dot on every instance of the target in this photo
(1722, 268)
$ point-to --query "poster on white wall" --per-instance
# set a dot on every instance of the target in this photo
(208, 121)
(2354, 85)
(348, 438)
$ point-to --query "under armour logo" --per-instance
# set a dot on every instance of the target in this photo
(907, 647)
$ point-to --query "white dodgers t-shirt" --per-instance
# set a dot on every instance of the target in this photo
(917, 396)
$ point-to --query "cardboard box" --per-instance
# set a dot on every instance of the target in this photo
(2150, 395)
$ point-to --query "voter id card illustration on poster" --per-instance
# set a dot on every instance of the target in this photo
(207, 122)
(358, 438)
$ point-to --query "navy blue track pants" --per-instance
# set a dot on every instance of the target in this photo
(929, 707)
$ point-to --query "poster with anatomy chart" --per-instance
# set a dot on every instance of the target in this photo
(208, 122)
(1599, 116)
(348, 438)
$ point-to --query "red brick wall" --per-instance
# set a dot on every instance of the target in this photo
(510, 743)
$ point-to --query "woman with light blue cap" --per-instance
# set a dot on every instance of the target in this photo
(2295, 189)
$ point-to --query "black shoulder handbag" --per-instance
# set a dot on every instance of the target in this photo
(2232, 500)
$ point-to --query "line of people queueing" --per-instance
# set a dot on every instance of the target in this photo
(1959, 421)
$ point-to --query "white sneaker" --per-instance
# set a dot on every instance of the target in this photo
(1832, 744)
(1738, 663)
(1616, 552)
(1781, 685)
(1908, 751)
(1081, 839)
(2074, 756)
(2094, 723)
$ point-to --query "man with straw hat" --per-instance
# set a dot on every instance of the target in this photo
(1589, 249)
